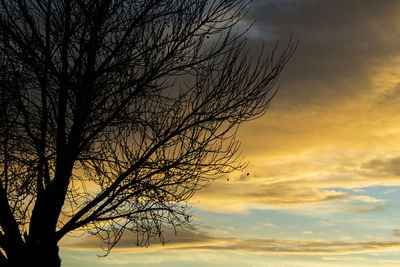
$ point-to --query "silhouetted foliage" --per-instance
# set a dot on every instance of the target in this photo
(115, 112)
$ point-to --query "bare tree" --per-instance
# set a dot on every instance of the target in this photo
(115, 112)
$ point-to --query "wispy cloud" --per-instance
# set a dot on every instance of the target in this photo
(396, 233)
(203, 241)
(270, 225)
(286, 194)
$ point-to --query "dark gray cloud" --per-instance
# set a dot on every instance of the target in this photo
(324, 20)
(341, 42)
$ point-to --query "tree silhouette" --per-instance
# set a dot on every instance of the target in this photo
(115, 112)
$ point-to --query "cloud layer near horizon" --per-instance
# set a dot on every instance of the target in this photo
(204, 241)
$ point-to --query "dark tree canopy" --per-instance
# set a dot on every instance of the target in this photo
(113, 113)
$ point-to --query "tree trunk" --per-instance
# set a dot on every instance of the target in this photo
(45, 255)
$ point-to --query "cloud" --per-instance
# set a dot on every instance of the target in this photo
(321, 193)
(383, 167)
(338, 39)
(322, 223)
(175, 240)
(203, 241)
(323, 18)
(373, 237)
(306, 232)
(396, 233)
(270, 225)
(244, 196)
(389, 191)
(331, 180)
(342, 82)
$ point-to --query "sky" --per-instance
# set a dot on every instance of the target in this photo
(323, 183)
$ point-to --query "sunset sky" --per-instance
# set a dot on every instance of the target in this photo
(324, 163)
